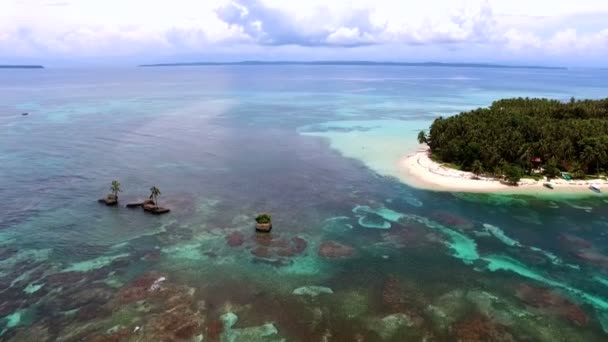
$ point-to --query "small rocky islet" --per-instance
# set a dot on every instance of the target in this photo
(149, 205)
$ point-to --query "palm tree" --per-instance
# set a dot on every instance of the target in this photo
(588, 155)
(525, 157)
(154, 193)
(477, 168)
(422, 139)
(115, 188)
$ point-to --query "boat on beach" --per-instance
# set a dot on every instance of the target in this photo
(595, 187)
(548, 185)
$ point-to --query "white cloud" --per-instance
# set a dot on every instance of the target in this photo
(345, 36)
(83, 28)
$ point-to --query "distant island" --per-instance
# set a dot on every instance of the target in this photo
(355, 63)
(21, 67)
(517, 141)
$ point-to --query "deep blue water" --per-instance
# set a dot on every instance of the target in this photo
(226, 143)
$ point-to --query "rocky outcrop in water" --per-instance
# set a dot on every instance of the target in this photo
(109, 200)
(148, 206)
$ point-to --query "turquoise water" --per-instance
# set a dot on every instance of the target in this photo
(355, 253)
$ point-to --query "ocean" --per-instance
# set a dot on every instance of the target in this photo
(355, 253)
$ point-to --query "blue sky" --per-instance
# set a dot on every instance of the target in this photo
(69, 32)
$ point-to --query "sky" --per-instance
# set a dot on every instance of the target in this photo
(79, 32)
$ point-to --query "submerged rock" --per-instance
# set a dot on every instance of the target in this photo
(235, 239)
(140, 288)
(552, 302)
(178, 323)
(448, 308)
(64, 278)
(390, 325)
(400, 297)
(88, 296)
(500, 235)
(480, 329)
(38, 332)
(602, 317)
(373, 221)
(276, 249)
(338, 224)
(573, 242)
(451, 220)
(335, 250)
(262, 252)
(353, 303)
(264, 333)
(298, 245)
(229, 320)
(312, 291)
(214, 329)
(592, 256)
(157, 284)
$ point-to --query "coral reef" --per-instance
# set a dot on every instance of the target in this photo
(480, 329)
(552, 302)
(388, 326)
(235, 239)
(335, 250)
(277, 250)
(452, 220)
(312, 291)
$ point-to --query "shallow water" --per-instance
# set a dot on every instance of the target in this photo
(354, 254)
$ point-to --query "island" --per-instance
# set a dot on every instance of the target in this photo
(354, 63)
(515, 144)
(21, 67)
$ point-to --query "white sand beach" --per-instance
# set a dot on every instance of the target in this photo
(422, 172)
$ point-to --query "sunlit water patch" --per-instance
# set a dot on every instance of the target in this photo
(379, 144)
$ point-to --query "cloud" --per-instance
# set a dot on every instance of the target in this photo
(272, 26)
(483, 30)
(345, 36)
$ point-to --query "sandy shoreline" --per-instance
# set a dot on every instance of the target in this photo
(421, 172)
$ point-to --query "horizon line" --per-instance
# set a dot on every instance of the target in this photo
(357, 63)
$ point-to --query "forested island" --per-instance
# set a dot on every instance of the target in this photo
(21, 66)
(355, 63)
(522, 136)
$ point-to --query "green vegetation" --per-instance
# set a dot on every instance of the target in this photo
(517, 137)
(154, 193)
(422, 138)
(115, 188)
(263, 219)
(477, 168)
(551, 169)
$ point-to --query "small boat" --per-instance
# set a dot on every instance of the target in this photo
(548, 185)
(595, 187)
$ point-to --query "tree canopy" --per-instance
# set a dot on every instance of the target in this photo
(525, 133)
